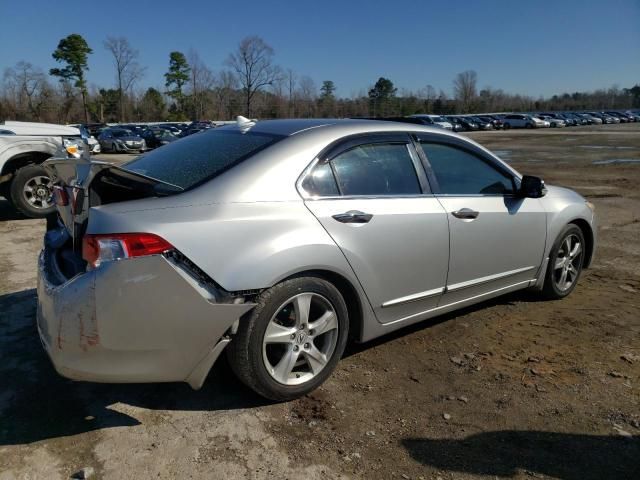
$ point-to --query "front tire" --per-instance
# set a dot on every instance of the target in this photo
(31, 192)
(565, 263)
(292, 340)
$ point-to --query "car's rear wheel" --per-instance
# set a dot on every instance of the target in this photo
(506, 126)
(565, 263)
(292, 340)
(31, 191)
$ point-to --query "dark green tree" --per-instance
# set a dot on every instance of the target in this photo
(327, 100)
(73, 51)
(177, 76)
(152, 105)
(327, 90)
(380, 95)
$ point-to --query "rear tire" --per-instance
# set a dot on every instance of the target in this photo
(31, 192)
(565, 263)
(506, 126)
(283, 353)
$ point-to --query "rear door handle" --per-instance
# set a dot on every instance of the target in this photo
(465, 214)
(353, 216)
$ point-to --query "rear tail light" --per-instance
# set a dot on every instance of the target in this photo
(104, 248)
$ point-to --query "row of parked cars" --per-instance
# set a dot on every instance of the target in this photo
(134, 138)
(505, 121)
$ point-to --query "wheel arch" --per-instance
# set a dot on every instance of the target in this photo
(589, 239)
(19, 160)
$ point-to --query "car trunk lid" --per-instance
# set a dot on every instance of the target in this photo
(81, 184)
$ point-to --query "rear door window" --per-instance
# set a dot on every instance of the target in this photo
(196, 159)
(376, 169)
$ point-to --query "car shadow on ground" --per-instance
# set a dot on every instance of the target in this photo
(557, 455)
(508, 299)
(38, 404)
(8, 212)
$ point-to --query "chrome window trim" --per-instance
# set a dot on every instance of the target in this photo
(367, 197)
(352, 141)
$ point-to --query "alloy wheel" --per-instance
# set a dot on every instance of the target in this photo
(568, 263)
(38, 192)
(300, 339)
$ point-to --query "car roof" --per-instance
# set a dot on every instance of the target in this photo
(295, 126)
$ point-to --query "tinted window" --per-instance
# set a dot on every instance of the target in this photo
(376, 169)
(462, 173)
(321, 182)
(198, 158)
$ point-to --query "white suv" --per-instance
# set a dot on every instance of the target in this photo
(23, 148)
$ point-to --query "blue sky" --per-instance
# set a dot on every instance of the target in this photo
(536, 48)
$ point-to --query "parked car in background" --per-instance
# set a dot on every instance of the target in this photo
(119, 140)
(605, 119)
(24, 146)
(435, 120)
(482, 124)
(172, 128)
(157, 137)
(519, 120)
(90, 140)
(133, 128)
(591, 120)
(494, 119)
(462, 124)
(553, 122)
(281, 240)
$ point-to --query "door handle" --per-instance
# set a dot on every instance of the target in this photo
(353, 216)
(465, 214)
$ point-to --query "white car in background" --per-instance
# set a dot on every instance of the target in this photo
(435, 120)
(552, 122)
(94, 145)
(522, 120)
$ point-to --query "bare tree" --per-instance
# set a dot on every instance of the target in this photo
(29, 89)
(291, 82)
(307, 94)
(225, 85)
(201, 82)
(128, 70)
(253, 65)
(464, 89)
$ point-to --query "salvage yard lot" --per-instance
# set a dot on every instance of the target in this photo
(513, 387)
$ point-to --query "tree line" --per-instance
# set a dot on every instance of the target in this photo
(251, 84)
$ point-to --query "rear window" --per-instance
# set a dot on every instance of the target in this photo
(198, 158)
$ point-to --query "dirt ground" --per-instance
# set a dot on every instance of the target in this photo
(513, 388)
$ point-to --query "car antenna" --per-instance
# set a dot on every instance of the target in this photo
(244, 124)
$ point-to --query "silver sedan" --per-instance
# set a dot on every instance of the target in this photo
(280, 241)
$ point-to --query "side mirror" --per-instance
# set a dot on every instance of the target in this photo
(532, 187)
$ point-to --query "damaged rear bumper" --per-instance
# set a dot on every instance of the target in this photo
(137, 320)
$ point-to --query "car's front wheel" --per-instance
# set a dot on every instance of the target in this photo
(565, 263)
(292, 340)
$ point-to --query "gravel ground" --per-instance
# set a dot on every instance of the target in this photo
(513, 387)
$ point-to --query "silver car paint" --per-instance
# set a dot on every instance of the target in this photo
(253, 229)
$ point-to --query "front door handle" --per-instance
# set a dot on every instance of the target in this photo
(353, 216)
(465, 214)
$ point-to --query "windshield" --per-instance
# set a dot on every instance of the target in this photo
(121, 133)
(193, 160)
(438, 119)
